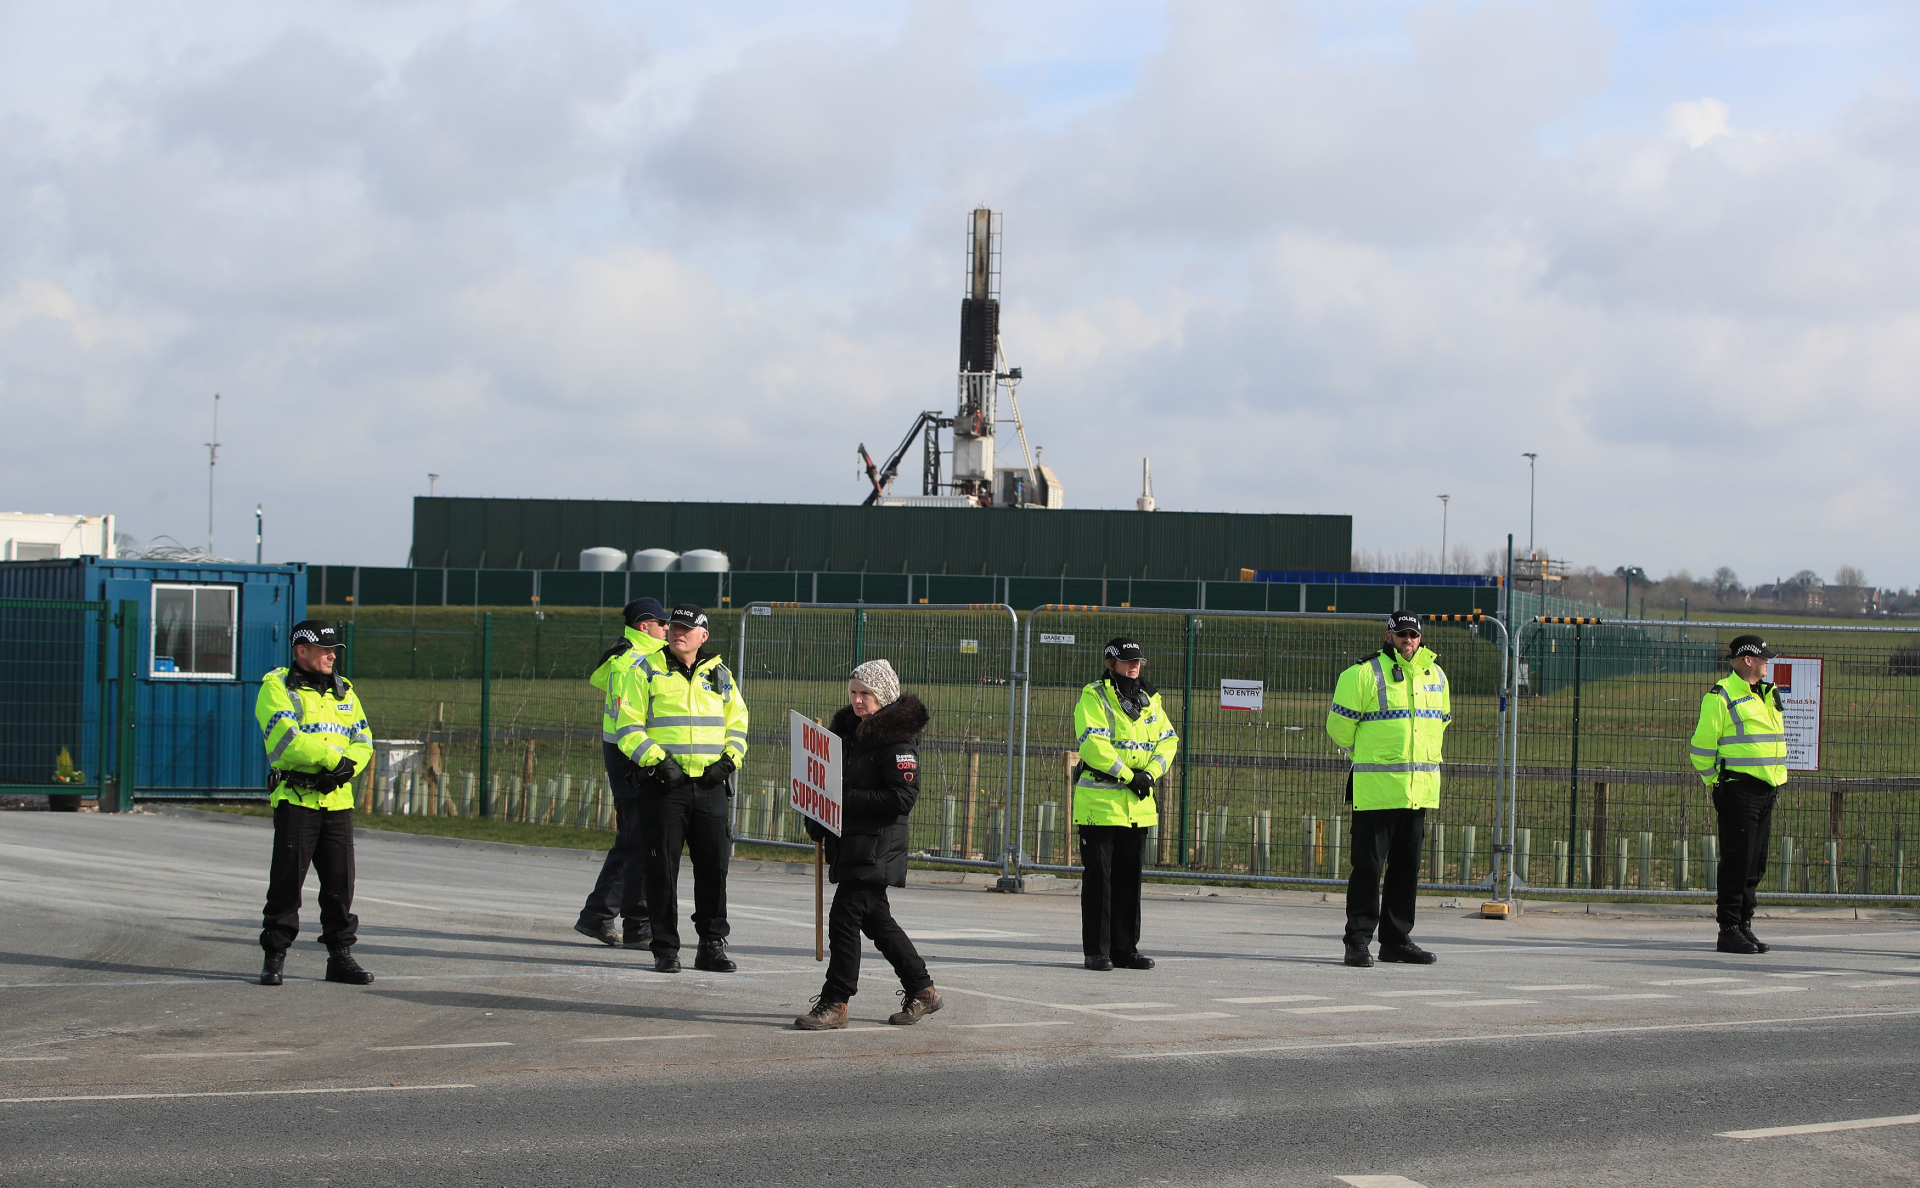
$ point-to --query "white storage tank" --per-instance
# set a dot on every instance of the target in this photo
(704, 561)
(655, 561)
(601, 560)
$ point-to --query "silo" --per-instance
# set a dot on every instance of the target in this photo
(704, 561)
(655, 561)
(601, 560)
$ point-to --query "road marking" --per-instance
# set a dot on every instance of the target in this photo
(1871, 985)
(213, 1055)
(1822, 1127)
(141, 982)
(840, 1030)
(1380, 1182)
(435, 1047)
(1048, 1023)
(1628, 997)
(1338, 1010)
(1558, 986)
(1414, 993)
(1125, 1006)
(628, 1039)
(1761, 990)
(28, 1059)
(1821, 973)
(1171, 1018)
(1473, 1002)
(1510, 1035)
(236, 1093)
(1276, 998)
(1689, 982)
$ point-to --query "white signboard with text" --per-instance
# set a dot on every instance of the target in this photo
(1243, 695)
(816, 771)
(1799, 678)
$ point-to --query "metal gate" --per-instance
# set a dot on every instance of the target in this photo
(1259, 796)
(66, 684)
(961, 659)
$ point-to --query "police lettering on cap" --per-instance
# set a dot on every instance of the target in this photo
(641, 610)
(1400, 621)
(1124, 650)
(688, 614)
(1749, 645)
(317, 632)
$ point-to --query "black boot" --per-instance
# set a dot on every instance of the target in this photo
(1358, 954)
(1407, 953)
(341, 967)
(1759, 946)
(1732, 940)
(713, 958)
(273, 970)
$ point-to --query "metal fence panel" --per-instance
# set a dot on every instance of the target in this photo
(1260, 794)
(54, 665)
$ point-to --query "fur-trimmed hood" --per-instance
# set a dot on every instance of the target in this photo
(901, 722)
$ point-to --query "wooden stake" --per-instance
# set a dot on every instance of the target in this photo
(819, 905)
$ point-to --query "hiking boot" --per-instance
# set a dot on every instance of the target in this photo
(1100, 964)
(1358, 955)
(825, 1016)
(915, 1005)
(1733, 940)
(1133, 961)
(602, 932)
(666, 963)
(713, 958)
(273, 970)
(1407, 953)
(1759, 946)
(341, 967)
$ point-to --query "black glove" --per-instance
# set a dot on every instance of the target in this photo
(341, 775)
(634, 775)
(1142, 784)
(671, 777)
(716, 773)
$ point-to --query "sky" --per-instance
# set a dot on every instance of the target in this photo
(1331, 257)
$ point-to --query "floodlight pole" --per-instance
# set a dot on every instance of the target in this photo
(1443, 530)
(213, 451)
(1530, 460)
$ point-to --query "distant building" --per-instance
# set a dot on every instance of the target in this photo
(30, 536)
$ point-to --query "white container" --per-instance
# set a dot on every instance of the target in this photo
(655, 561)
(602, 560)
(704, 561)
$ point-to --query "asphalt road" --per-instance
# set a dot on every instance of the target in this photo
(499, 1048)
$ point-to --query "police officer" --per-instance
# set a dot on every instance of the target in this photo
(1126, 743)
(1739, 748)
(316, 737)
(621, 889)
(1391, 711)
(682, 723)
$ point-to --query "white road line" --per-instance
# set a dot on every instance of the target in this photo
(1478, 1002)
(1048, 1023)
(26, 1059)
(1124, 1006)
(1573, 1033)
(1380, 1182)
(1688, 982)
(1821, 973)
(434, 1047)
(214, 1055)
(1276, 998)
(1574, 986)
(1761, 990)
(628, 1039)
(1822, 1127)
(1627, 997)
(1888, 982)
(1414, 993)
(1338, 1010)
(143, 982)
(839, 1030)
(236, 1093)
(1172, 1018)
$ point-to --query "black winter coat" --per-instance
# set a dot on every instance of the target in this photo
(879, 783)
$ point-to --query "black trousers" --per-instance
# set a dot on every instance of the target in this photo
(862, 908)
(1389, 840)
(695, 818)
(621, 889)
(322, 839)
(1745, 809)
(1110, 889)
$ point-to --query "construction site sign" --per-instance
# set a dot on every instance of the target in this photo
(1799, 678)
(816, 771)
(1243, 695)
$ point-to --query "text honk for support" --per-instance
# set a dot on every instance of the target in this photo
(815, 781)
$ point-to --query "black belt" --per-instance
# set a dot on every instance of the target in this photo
(312, 781)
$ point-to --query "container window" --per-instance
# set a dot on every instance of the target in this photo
(194, 630)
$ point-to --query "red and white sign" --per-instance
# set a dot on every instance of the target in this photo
(1242, 695)
(816, 771)
(1799, 678)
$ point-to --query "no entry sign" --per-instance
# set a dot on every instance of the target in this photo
(816, 771)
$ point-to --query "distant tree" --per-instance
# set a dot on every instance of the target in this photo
(1725, 584)
(1805, 580)
(1849, 575)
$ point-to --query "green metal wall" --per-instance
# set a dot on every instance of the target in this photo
(1186, 546)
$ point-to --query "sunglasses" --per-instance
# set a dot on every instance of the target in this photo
(1406, 635)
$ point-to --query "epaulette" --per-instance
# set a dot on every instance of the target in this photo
(619, 649)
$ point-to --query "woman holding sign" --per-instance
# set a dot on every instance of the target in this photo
(880, 780)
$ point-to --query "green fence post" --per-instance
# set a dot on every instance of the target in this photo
(349, 657)
(486, 716)
(102, 799)
(1186, 744)
(1573, 771)
(125, 759)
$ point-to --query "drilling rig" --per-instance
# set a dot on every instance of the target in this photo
(975, 481)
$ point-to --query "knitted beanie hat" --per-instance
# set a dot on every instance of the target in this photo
(879, 676)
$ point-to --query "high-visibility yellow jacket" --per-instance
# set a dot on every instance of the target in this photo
(1116, 740)
(619, 656)
(663, 709)
(309, 729)
(1393, 713)
(1743, 729)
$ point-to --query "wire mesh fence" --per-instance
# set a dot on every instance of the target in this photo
(1608, 798)
(1260, 792)
(54, 705)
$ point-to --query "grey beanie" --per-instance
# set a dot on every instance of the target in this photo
(879, 676)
